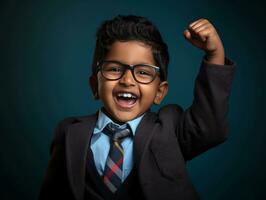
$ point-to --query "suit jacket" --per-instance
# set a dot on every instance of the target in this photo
(164, 141)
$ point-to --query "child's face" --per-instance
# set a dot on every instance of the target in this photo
(124, 109)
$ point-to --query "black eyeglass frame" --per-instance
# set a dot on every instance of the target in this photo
(126, 67)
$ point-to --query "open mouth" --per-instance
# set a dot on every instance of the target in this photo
(126, 99)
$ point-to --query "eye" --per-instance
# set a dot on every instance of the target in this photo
(144, 71)
(112, 68)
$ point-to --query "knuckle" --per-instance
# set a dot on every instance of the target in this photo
(197, 31)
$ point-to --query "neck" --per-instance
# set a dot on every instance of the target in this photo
(114, 120)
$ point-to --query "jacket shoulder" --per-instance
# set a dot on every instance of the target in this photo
(170, 112)
(62, 125)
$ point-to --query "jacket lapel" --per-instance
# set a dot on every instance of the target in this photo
(143, 136)
(77, 143)
(78, 140)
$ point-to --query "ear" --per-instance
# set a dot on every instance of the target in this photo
(161, 92)
(94, 86)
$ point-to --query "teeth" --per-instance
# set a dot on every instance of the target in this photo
(126, 95)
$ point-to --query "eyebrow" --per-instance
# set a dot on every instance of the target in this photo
(139, 63)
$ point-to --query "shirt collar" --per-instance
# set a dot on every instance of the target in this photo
(103, 120)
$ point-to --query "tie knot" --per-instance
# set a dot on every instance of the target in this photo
(115, 132)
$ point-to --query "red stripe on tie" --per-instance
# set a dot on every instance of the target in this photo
(112, 170)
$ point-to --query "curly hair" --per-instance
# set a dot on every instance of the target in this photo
(131, 28)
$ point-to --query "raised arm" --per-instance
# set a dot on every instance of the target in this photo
(204, 124)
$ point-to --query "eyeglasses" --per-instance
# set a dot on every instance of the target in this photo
(114, 70)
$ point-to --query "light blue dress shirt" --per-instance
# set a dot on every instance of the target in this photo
(100, 144)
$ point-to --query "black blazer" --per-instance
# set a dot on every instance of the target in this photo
(164, 141)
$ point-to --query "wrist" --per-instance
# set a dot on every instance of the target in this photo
(216, 57)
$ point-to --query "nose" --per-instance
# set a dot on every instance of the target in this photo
(127, 79)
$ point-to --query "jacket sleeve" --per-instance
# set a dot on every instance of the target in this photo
(204, 124)
(55, 184)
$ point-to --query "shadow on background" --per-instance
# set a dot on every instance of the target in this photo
(46, 53)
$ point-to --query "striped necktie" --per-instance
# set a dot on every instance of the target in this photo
(112, 176)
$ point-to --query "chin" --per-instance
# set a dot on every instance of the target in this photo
(122, 115)
(125, 117)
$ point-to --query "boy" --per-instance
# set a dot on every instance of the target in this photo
(125, 151)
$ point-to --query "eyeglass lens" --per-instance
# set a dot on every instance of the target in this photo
(141, 73)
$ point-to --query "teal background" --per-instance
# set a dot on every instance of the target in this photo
(45, 59)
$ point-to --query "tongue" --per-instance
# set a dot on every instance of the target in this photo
(126, 102)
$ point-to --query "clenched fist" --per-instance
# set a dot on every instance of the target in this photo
(202, 34)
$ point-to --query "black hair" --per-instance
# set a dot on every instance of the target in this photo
(129, 28)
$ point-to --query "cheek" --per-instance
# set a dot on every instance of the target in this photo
(101, 84)
(148, 93)
(101, 87)
(105, 88)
